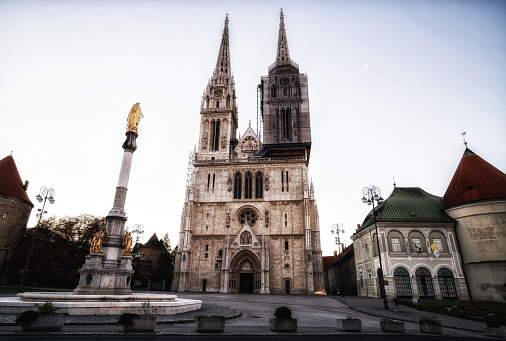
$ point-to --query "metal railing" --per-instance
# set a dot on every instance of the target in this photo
(276, 63)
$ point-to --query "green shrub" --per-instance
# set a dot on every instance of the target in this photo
(283, 313)
(47, 308)
(127, 319)
(430, 319)
(26, 317)
(30, 316)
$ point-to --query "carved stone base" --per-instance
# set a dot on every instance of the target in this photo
(99, 278)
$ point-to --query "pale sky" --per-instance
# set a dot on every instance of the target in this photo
(391, 86)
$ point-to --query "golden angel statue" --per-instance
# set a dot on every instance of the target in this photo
(134, 117)
(96, 243)
(127, 244)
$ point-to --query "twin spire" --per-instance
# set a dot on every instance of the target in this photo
(222, 73)
(283, 55)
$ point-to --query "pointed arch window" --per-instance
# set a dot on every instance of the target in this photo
(237, 185)
(273, 91)
(215, 135)
(248, 186)
(286, 123)
(259, 185)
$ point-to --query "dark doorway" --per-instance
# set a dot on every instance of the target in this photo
(246, 283)
(287, 286)
(204, 284)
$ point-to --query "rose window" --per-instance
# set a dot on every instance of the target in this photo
(249, 216)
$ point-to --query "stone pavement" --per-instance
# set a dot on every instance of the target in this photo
(375, 307)
(249, 315)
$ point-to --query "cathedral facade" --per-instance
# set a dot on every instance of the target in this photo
(250, 220)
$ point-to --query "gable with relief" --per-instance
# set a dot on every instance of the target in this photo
(246, 238)
(248, 145)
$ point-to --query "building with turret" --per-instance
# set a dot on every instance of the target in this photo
(15, 209)
(476, 199)
(250, 220)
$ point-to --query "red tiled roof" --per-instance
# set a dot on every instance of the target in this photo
(475, 179)
(10, 181)
(327, 260)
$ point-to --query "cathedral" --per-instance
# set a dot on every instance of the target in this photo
(250, 220)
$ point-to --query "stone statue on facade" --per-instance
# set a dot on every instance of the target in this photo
(96, 243)
(134, 117)
(127, 244)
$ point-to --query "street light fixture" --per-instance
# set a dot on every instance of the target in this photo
(370, 195)
(44, 195)
(138, 229)
(338, 228)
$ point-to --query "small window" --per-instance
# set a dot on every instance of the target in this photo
(286, 245)
(216, 265)
(206, 255)
(396, 245)
(208, 180)
(286, 219)
(287, 181)
(287, 266)
(220, 253)
(207, 247)
(214, 180)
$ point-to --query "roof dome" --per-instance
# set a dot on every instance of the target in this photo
(475, 179)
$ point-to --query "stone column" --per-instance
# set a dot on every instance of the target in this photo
(112, 274)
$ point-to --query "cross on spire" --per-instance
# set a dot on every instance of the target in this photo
(464, 137)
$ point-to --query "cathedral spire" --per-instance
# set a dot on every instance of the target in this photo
(283, 55)
(222, 73)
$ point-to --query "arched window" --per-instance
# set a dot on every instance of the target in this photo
(424, 283)
(248, 186)
(215, 135)
(285, 123)
(446, 283)
(402, 283)
(237, 185)
(245, 238)
(259, 185)
(273, 91)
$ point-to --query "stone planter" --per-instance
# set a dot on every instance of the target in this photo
(283, 325)
(210, 324)
(392, 326)
(431, 328)
(142, 324)
(349, 325)
(45, 323)
(494, 332)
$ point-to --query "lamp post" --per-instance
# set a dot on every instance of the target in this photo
(370, 195)
(338, 228)
(44, 195)
(138, 229)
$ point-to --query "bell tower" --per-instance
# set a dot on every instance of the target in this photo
(285, 105)
(218, 110)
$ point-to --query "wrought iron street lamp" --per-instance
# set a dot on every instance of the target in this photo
(370, 195)
(338, 228)
(44, 195)
(138, 229)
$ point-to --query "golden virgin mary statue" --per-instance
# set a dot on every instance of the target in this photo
(134, 117)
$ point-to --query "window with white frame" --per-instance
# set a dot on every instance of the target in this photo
(396, 245)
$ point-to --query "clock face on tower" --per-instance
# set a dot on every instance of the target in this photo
(218, 93)
(284, 81)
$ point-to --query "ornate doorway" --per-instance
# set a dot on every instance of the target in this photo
(245, 267)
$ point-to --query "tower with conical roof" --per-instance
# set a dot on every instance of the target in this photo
(250, 221)
(476, 198)
(15, 208)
